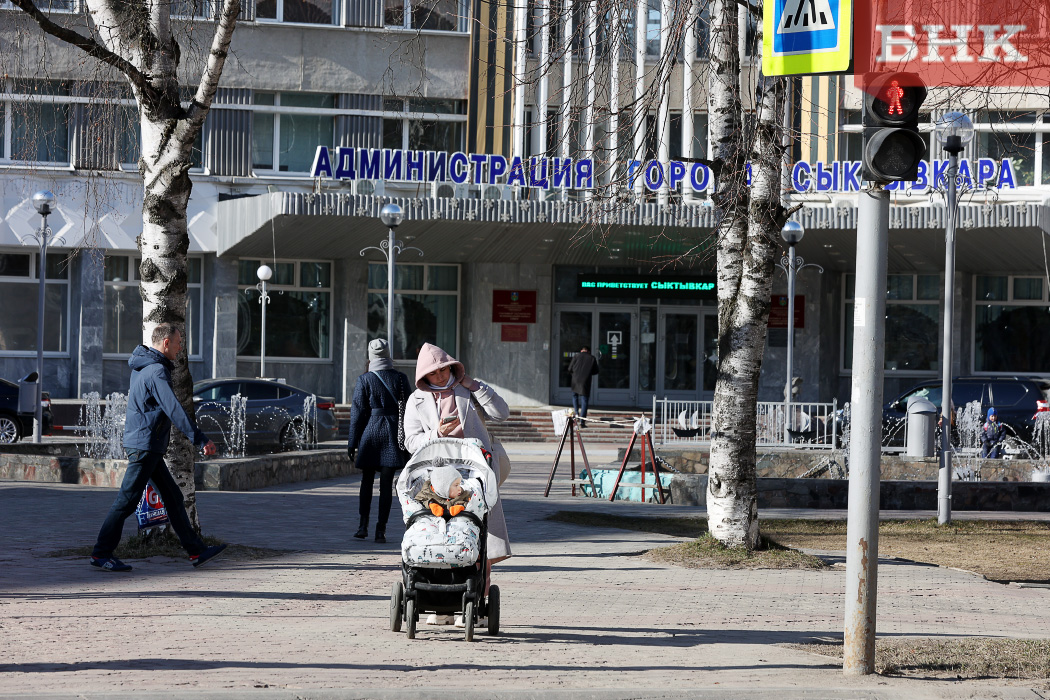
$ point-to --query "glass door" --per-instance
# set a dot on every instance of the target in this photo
(574, 330)
(617, 377)
(687, 355)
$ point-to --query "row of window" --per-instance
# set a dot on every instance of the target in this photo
(1023, 136)
(427, 15)
(1011, 317)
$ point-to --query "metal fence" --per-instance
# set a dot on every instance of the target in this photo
(810, 424)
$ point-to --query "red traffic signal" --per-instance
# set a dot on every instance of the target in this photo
(893, 146)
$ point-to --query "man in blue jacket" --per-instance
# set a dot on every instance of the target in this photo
(152, 408)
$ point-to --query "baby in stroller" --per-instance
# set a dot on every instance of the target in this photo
(446, 491)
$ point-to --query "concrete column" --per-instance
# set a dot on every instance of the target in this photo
(350, 332)
(224, 339)
(91, 291)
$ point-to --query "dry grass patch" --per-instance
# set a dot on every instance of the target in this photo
(1001, 550)
(967, 658)
(705, 552)
(167, 545)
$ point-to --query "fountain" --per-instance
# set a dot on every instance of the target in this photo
(238, 433)
(103, 435)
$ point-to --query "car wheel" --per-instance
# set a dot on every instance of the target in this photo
(9, 431)
(288, 438)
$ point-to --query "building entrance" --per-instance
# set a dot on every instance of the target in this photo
(643, 351)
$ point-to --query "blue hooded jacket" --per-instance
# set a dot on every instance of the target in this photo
(152, 406)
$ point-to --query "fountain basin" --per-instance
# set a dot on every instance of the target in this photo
(236, 474)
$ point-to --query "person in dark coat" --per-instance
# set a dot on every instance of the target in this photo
(152, 409)
(992, 434)
(373, 433)
(581, 368)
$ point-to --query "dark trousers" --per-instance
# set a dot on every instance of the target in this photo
(144, 466)
(579, 405)
(386, 491)
(989, 451)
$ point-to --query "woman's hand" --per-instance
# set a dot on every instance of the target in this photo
(446, 428)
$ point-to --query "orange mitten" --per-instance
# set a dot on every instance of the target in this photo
(455, 510)
(436, 509)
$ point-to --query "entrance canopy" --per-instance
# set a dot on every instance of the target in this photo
(996, 237)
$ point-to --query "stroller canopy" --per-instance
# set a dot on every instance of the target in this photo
(453, 451)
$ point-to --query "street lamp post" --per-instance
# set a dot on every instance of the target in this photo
(264, 274)
(792, 234)
(391, 216)
(954, 131)
(44, 203)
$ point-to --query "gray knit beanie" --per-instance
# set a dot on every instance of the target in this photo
(378, 350)
(442, 478)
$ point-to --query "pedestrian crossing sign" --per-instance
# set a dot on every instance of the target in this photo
(806, 37)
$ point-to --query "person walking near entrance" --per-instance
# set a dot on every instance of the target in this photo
(373, 433)
(152, 408)
(581, 368)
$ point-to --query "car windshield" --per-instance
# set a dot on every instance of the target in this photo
(930, 393)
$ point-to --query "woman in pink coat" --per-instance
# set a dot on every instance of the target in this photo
(441, 406)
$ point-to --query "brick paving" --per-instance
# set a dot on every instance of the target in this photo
(581, 609)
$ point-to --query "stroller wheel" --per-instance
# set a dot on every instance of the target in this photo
(468, 622)
(493, 605)
(410, 617)
(397, 600)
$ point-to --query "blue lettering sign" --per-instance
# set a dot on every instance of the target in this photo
(584, 174)
(535, 179)
(800, 171)
(1006, 175)
(705, 172)
(517, 172)
(479, 162)
(344, 164)
(393, 164)
(497, 167)
(675, 175)
(437, 166)
(370, 163)
(985, 170)
(562, 172)
(322, 163)
(632, 172)
(414, 162)
(458, 168)
(654, 182)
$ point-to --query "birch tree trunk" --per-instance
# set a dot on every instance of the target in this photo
(135, 37)
(748, 241)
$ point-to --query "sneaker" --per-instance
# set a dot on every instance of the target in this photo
(111, 564)
(435, 619)
(208, 554)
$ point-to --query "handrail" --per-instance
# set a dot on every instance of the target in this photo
(812, 424)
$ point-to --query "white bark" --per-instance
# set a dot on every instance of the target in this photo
(751, 219)
(135, 37)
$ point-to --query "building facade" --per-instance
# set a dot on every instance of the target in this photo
(536, 82)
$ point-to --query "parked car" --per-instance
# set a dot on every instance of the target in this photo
(14, 426)
(273, 413)
(1016, 401)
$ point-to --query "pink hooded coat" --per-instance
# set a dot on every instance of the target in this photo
(422, 418)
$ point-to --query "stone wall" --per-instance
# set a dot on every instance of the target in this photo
(690, 489)
(219, 474)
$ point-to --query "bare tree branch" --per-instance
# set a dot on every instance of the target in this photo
(220, 47)
(88, 45)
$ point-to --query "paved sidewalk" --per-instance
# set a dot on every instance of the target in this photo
(581, 610)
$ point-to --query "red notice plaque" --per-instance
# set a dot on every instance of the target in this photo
(513, 306)
(514, 333)
(778, 311)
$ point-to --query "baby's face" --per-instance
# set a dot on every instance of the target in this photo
(456, 489)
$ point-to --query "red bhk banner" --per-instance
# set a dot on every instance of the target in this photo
(967, 43)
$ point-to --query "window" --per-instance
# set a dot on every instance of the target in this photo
(913, 315)
(1009, 134)
(287, 142)
(1011, 324)
(298, 11)
(20, 288)
(37, 122)
(298, 317)
(439, 126)
(426, 307)
(129, 139)
(434, 15)
(122, 324)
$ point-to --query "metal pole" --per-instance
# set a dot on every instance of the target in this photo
(862, 528)
(944, 474)
(390, 293)
(264, 300)
(790, 343)
(38, 413)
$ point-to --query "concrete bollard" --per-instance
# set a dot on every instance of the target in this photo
(922, 423)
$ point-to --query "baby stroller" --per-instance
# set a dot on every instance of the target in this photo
(443, 558)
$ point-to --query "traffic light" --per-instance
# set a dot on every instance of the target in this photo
(893, 147)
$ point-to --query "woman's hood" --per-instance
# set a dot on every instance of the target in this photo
(431, 358)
